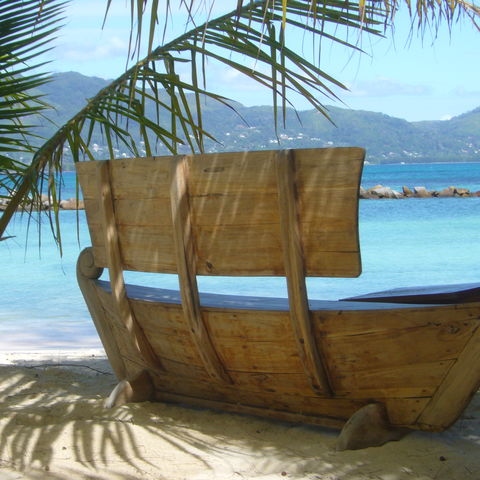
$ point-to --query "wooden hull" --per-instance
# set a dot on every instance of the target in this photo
(293, 214)
(419, 361)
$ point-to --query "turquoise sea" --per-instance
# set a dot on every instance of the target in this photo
(404, 243)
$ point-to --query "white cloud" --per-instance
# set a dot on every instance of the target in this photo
(387, 87)
(108, 48)
(465, 92)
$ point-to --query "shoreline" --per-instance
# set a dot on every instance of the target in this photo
(54, 426)
(372, 193)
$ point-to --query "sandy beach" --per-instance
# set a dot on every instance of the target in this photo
(53, 426)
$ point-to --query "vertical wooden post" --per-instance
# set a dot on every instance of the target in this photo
(186, 266)
(315, 368)
(114, 260)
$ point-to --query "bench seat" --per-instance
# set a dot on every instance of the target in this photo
(243, 302)
(434, 294)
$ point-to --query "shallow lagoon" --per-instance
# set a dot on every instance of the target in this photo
(404, 243)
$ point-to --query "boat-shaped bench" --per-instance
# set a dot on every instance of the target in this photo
(373, 365)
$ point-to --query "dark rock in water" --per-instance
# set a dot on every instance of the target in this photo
(383, 192)
(363, 193)
(462, 192)
(447, 192)
(71, 204)
(421, 192)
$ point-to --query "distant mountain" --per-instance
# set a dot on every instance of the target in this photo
(387, 139)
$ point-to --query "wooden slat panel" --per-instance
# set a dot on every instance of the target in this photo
(265, 357)
(234, 212)
(367, 350)
(186, 264)
(240, 249)
(335, 407)
(141, 178)
(147, 249)
(254, 325)
(266, 411)
(404, 411)
(416, 380)
(115, 267)
(458, 387)
(352, 353)
(315, 368)
(446, 320)
(234, 207)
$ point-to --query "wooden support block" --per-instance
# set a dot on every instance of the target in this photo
(368, 427)
(138, 389)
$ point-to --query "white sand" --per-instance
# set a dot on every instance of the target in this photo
(53, 426)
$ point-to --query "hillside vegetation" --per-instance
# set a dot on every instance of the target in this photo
(387, 139)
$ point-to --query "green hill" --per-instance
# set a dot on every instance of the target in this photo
(387, 139)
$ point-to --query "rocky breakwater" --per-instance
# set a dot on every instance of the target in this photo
(44, 203)
(380, 191)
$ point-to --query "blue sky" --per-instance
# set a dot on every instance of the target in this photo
(417, 80)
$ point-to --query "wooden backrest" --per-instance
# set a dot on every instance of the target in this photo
(231, 213)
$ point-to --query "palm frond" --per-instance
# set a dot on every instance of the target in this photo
(26, 28)
(152, 102)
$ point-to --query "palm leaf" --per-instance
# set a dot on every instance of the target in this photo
(25, 34)
(253, 39)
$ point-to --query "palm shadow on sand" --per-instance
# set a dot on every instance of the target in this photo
(53, 424)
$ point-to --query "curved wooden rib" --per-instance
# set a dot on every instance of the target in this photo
(87, 272)
(184, 250)
(315, 368)
(456, 390)
(114, 260)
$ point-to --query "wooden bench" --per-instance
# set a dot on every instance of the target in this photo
(287, 213)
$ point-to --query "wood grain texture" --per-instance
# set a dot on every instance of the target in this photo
(87, 273)
(283, 415)
(456, 390)
(380, 363)
(439, 294)
(252, 213)
(234, 212)
(186, 265)
(315, 366)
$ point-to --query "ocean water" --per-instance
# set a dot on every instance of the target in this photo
(404, 243)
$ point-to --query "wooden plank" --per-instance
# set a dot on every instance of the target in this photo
(440, 294)
(234, 209)
(286, 416)
(315, 368)
(251, 395)
(455, 392)
(403, 412)
(352, 319)
(441, 341)
(384, 381)
(115, 268)
(186, 265)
